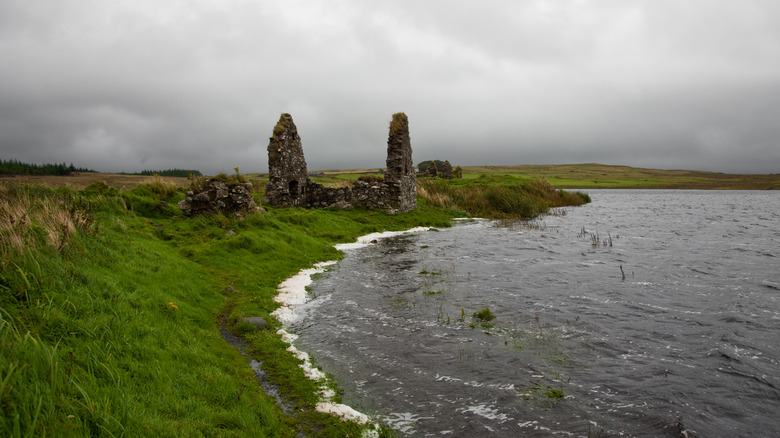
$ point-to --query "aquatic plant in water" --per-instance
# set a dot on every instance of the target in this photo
(484, 317)
(485, 314)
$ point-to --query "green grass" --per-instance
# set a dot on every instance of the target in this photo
(116, 332)
(600, 176)
(485, 314)
(92, 346)
(111, 303)
(483, 318)
(497, 196)
(560, 176)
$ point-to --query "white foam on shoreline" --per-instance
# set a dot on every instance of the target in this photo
(292, 293)
(368, 239)
(343, 411)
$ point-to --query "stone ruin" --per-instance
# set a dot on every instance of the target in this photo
(431, 170)
(288, 178)
(289, 183)
(446, 170)
(457, 172)
(214, 196)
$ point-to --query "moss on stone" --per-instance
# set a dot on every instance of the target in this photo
(283, 124)
(399, 123)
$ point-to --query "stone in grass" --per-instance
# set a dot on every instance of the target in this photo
(257, 321)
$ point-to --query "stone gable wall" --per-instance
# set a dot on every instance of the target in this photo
(400, 174)
(289, 184)
(288, 180)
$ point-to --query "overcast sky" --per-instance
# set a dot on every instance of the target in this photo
(128, 85)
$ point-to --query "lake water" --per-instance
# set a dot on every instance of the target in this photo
(684, 341)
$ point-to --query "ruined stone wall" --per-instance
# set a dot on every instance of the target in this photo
(320, 196)
(373, 196)
(288, 179)
(431, 171)
(362, 194)
(215, 196)
(446, 170)
(289, 183)
(400, 174)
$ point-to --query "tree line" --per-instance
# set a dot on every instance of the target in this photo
(16, 167)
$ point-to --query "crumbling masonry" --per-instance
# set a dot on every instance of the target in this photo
(289, 183)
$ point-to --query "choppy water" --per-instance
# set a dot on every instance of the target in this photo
(686, 343)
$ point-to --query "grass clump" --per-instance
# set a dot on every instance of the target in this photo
(484, 315)
(399, 124)
(483, 318)
(40, 217)
(555, 393)
(498, 196)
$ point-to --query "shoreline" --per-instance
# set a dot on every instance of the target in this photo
(292, 293)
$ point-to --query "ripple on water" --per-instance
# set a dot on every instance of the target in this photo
(684, 343)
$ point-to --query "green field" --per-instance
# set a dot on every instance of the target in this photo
(600, 176)
(111, 304)
(561, 176)
(111, 301)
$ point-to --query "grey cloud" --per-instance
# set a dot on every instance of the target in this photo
(133, 85)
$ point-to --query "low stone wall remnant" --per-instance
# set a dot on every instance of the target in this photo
(215, 196)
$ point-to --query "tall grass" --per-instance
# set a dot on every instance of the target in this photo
(29, 213)
(497, 197)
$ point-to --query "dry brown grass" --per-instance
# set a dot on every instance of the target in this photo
(25, 215)
(81, 180)
(435, 198)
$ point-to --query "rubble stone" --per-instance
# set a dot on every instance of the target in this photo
(216, 196)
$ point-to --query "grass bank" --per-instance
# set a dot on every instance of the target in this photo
(111, 304)
(497, 196)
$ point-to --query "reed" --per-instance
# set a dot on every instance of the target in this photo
(595, 240)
